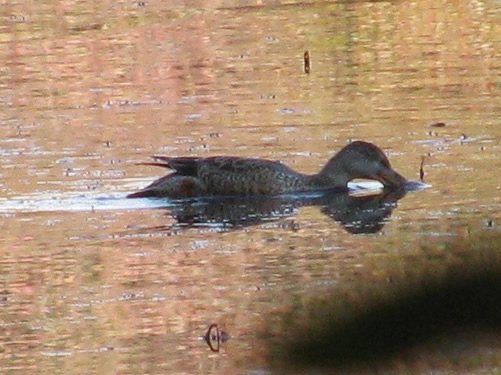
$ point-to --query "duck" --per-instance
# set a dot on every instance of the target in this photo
(238, 176)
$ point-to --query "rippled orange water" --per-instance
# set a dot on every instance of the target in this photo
(92, 282)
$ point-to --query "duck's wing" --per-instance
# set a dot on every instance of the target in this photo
(231, 175)
(230, 165)
(191, 165)
(227, 175)
(235, 164)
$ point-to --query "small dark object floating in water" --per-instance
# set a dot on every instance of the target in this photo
(307, 64)
(214, 337)
(421, 170)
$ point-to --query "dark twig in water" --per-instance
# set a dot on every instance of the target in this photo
(307, 66)
(421, 169)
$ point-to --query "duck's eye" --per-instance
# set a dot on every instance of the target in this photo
(385, 163)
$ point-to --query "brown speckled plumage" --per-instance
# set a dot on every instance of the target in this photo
(229, 175)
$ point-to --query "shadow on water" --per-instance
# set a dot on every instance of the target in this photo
(355, 213)
(448, 314)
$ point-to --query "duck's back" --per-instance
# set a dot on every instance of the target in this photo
(229, 175)
(242, 176)
(224, 175)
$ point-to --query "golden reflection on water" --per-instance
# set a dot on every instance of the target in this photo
(89, 88)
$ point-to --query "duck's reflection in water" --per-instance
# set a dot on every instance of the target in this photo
(358, 213)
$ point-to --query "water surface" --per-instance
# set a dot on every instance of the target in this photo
(92, 282)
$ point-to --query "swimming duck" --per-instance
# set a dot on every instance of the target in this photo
(231, 175)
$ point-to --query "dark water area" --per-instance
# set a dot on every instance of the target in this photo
(93, 282)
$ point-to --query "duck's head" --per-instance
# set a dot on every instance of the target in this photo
(362, 160)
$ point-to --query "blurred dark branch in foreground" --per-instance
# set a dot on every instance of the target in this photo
(448, 308)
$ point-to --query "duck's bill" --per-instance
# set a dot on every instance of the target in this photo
(376, 187)
(415, 185)
(393, 180)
